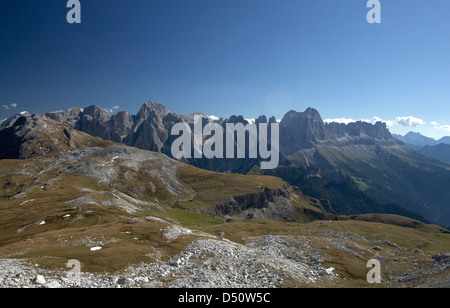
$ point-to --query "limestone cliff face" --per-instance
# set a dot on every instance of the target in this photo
(301, 130)
(280, 204)
(305, 130)
(122, 123)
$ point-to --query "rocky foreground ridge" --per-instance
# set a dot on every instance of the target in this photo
(270, 261)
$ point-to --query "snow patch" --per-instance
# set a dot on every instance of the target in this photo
(27, 201)
(329, 270)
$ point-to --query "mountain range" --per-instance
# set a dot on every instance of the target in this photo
(417, 140)
(359, 167)
(134, 217)
(438, 149)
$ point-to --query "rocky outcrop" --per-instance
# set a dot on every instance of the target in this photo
(273, 204)
(256, 201)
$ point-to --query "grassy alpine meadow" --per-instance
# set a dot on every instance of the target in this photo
(48, 218)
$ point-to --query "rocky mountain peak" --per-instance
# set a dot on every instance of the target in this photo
(272, 119)
(11, 120)
(236, 119)
(313, 113)
(301, 130)
(36, 135)
(378, 131)
(69, 117)
(97, 113)
(151, 107)
(261, 119)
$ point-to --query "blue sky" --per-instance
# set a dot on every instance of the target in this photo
(225, 57)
